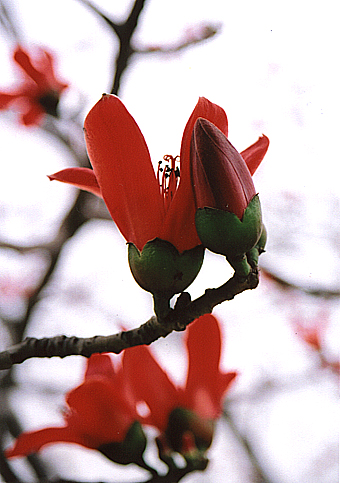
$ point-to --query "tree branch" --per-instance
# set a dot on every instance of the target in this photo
(178, 318)
(8, 23)
(6, 472)
(124, 31)
(259, 475)
(204, 32)
(286, 285)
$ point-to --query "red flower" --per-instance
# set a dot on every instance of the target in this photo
(99, 413)
(222, 176)
(123, 175)
(39, 93)
(200, 401)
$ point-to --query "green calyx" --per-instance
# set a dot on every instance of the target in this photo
(130, 450)
(224, 233)
(253, 254)
(160, 269)
(181, 421)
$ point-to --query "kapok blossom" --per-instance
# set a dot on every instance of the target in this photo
(100, 417)
(155, 214)
(184, 415)
(124, 177)
(40, 90)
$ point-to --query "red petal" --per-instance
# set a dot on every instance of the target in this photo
(150, 383)
(121, 162)
(46, 65)
(179, 227)
(23, 60)
(83, 178)
(6, 99)
(31, 442)
(34, 115)
(255, 153)
(205, 384)
(100, 364)
(100, 413)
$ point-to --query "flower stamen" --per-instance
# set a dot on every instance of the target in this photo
(168, 177)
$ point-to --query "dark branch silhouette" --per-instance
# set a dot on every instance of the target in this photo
(183, 314)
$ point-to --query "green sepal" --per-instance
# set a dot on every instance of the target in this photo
(160, 269)
(130, 450)
(182, 420)
(224, 233)
(253, 254)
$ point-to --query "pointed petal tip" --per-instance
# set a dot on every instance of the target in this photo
(255, 153)
(82, 178)
(206, 127)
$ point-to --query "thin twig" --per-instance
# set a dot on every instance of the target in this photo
(259, 475)
(6, 20)
(207, 31)
(286, 285)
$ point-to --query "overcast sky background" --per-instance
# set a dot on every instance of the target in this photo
(272, 68)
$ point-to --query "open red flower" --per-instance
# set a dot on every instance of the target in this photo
(124, 176)
(99, 413)
(40, 90)
(200, 400)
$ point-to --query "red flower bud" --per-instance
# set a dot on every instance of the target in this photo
(228, 219)
(220, 176)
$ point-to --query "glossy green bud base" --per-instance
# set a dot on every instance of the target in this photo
(224, 233)
(182, 420)
(130, 450)
(253, 254)
(160, 269)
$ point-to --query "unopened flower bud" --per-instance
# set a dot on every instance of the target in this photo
(228, 219)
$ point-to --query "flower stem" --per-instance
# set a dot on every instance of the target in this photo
(161, 304)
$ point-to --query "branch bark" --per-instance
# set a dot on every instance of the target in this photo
(183, 314)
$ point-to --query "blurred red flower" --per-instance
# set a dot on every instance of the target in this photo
(183, 413)
(105, 410)
(99, 412)
(40, 90)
